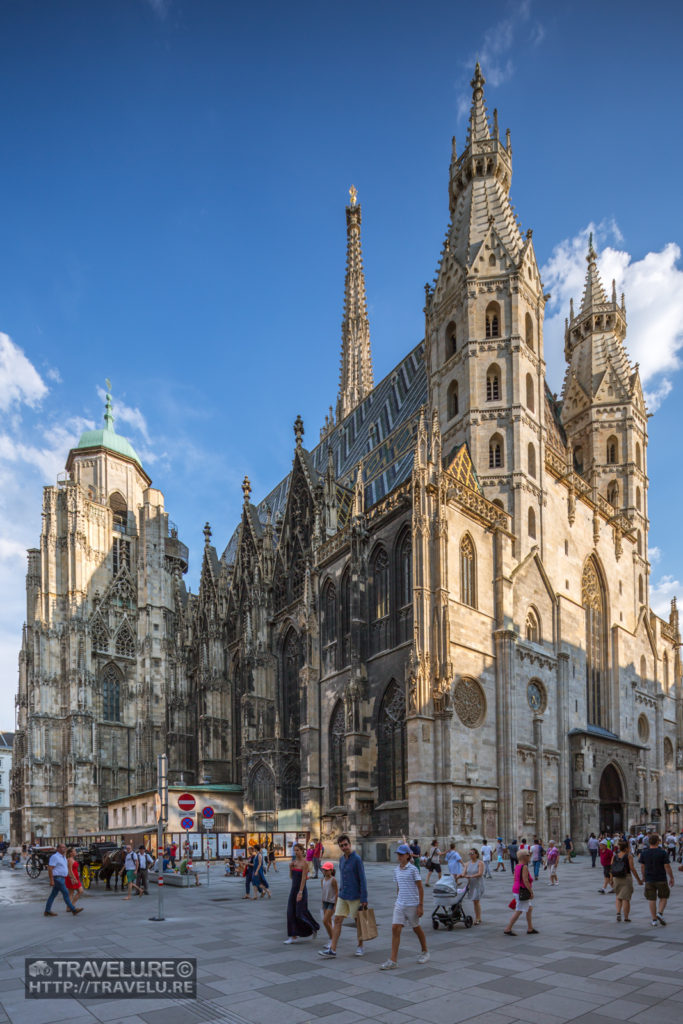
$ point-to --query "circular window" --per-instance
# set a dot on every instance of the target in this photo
(536, 695)
(643, 729)
(469, 702)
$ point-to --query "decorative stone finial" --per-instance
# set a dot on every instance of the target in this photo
(246, 489)
(207, 534)
(353, 192)
(495, 123)
(592, 255)
(478, 82)
(108, 414)
(454, 150)
(298, 431)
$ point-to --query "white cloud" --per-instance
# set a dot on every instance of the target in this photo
(20, 382)
(661, 594)
(654, 555)
(54, 375)
(160, 7)
(653, 287)
(495, 52)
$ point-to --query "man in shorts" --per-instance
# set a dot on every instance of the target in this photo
(408, 908)
(131, 865)
(656, 868)
(353, 896)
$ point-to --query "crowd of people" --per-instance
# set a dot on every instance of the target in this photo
(643, 859)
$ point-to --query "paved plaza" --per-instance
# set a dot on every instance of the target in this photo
(582, 967)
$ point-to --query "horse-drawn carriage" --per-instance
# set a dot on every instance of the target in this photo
(96, 860)
(92, 859)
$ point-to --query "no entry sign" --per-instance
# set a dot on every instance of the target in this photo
(186, 802)
(187, 824)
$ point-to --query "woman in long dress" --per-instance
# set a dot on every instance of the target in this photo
(300, 922)
(474, 873)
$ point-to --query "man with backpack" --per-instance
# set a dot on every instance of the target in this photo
(145, 862)
(131, 865)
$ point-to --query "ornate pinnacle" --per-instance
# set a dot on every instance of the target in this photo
(207, 534)
(108, 414)
(298, 431)
(592, 255)
(246, 489)
(478, 82)
(353, 192)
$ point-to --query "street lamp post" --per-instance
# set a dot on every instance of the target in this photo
(161, 803)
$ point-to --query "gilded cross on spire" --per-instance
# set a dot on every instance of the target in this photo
(353, 192)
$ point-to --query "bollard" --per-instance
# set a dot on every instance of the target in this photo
(160, 905)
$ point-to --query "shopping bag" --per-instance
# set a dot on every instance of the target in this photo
(512, 904)
(367, 926)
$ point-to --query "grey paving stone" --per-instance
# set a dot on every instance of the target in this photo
(582, 966)
(517, 987)
(293, 990)
(179, 1015)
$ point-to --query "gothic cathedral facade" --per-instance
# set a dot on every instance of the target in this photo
(438, 624)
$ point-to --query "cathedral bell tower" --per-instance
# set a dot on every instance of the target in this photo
(603, 409)
(484, 330)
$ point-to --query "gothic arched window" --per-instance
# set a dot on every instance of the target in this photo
(391, 744)
(594, 602)
(337, 753)
(641, 590)
(578, 459)
(99, 635)
(496, 453)
(493, 383)
(329, 625)
(262, 787)
(125, 642)
(532, 627)
(346, 616)
(531, 524)
(290, 665)
(531, 452)
(493, 320)
(613, 493)
(289, 788)
(379, 600)
(119, 508)
(404, 586)
(529, 331)
(468, 572)
(453, 400)
(451, 340)
(612, 450)
(111, 693)
(530, 403)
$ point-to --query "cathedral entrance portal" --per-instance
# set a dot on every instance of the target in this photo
(611, 801)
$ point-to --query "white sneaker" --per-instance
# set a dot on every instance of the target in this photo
(423, 957)
(388, 965)
(289, 941)
(654, 924)
(359, 952)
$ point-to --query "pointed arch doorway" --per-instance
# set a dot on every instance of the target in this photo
(611, 801)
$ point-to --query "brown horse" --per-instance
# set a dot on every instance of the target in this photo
(113, 864)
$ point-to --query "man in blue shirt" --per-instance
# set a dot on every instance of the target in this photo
(353, 896)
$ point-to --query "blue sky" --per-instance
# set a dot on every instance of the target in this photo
(174, 176)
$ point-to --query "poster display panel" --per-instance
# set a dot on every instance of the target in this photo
(224, 844)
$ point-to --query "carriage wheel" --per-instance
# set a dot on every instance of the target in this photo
(33, 866)
(469, 921)
(435, 924)
(86, 877)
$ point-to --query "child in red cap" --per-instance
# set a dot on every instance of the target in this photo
(330, 891)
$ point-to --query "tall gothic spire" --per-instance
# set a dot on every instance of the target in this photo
(479, 188)
(355, 377)
(594, 338)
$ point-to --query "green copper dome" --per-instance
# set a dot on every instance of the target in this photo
(108, 438)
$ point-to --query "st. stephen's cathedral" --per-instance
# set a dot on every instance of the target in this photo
(438, 624)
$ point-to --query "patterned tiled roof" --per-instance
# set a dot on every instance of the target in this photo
(380, 433)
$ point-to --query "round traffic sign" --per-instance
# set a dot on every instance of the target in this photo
(208, 812)
(187, 824)
(186, 802)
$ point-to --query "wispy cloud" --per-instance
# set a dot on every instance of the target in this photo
(20, 382)
(661, 593)
(160, 7)
(653, 287)
(127, 414)
(496, 51)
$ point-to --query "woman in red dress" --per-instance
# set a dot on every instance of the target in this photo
(73, 879)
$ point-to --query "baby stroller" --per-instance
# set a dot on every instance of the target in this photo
(448, 906)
